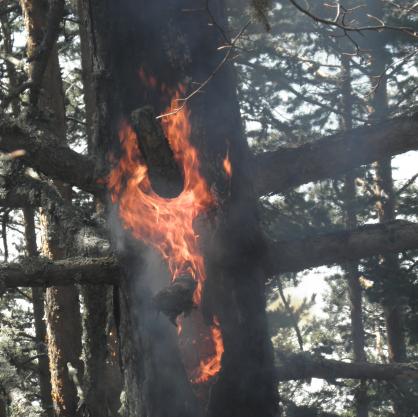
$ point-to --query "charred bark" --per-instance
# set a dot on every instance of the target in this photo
(189, 49)
(154, 379)
(102, 374)
(164, 173)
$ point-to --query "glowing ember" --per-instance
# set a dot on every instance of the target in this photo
(163, 223)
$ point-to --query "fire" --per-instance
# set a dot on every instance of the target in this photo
(166, 224)
(227, 165)
(210, 367)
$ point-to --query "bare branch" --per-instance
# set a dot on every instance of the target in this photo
(230, 48)
(339, 22)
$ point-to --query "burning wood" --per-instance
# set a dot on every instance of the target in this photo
(163, 171)
(177, 298)
(167, 224)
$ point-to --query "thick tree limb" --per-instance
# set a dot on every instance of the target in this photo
(287, 256)
(304, 365)
(339, 247)
(38, 272)
(44, 153)
(334, 155)
(275, 171)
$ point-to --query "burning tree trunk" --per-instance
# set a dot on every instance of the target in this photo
(150, 50)
(47, 103)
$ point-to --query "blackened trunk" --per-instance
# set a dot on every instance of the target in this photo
(102, 375)
(174, 42)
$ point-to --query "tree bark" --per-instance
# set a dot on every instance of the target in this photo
(102, 375)
(341, 247)
(42, 20)
(304, 366)
(274, 172)
(39, 272)
(38, 315)
(286, 256)
(280, 170)
(188, 48)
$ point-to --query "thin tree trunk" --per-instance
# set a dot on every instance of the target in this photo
(385, 206)
(62, 305)
(351, 269)
(38, 314)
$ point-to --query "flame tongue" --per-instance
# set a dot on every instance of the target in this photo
(166, 224)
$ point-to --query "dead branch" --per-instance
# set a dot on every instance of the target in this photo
(339, 21)
(230, 48)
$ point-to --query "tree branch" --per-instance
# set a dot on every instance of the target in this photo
(286, 256)
(39, 272)
(305, 365)
(46, 154)
(339, 21)
(344, 246)
(334, 155)
(275, 171)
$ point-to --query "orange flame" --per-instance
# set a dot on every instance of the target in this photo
(227, 165)
(211, 366)
(163, 223)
